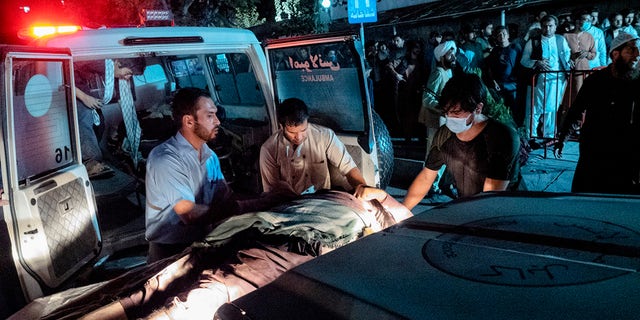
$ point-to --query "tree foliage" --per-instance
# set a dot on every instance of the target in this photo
(301, 16)
(218, 13)
(296, 16)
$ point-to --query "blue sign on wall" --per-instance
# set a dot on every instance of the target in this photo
(360, 11)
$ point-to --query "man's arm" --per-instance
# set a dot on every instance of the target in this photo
(89, 101)
(511, 63)
(268, 168)
(579, 105)
(495, 185)
(191, 213)
(526, 56)
(337, 155)
(355, 178)
(419, 187)
(3, 202)
(221, 207)
(432, 93)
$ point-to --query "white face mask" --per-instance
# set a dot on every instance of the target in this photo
(458, 125)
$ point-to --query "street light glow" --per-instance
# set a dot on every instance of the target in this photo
(326, 3)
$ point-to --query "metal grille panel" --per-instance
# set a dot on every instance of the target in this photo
(66, 219)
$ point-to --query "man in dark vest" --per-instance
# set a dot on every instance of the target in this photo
(548, 55)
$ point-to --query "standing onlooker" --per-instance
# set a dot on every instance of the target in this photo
(484, 39)
(431, 111)
(636, 22)
(462, 62)
(547, 55)
(382, 84)
(628, 17)
(479, 152)
(565, 24)
(613, 31)
(535, 28)
(515, 37)
(434, 40)
(396, 54)
(584, 22)
(595, 18)
(500, 72)
(582, 44)
(411, 77)
(583, 50)
(371, 51)
(609, 139)
(472, 48)
(398, 49)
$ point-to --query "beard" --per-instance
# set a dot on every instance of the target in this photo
(449, 64)
(203, 133)
(626, 70)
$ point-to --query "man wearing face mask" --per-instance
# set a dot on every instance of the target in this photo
(479, 152)
(584, 21)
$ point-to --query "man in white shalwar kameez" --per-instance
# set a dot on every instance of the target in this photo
(550, 52)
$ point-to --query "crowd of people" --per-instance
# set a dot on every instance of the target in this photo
(528, 72)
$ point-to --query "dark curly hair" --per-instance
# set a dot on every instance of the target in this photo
(184, 103)
(465, 89)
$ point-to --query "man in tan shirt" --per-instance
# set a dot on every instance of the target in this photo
(297, 157)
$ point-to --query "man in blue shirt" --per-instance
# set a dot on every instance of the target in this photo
(184, 178)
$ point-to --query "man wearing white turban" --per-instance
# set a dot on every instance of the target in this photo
(443, 49)
(431, 113)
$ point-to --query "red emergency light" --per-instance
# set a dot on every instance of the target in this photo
(36, 32)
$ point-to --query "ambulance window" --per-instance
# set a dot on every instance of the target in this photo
(189, 72)
(152, 74)
(41, 117)
(234, 80)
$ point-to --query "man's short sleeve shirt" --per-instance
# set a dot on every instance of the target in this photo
(305, 166)
(176, 171)
(492, 154)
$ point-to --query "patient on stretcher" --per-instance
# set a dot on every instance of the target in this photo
(241, 254)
